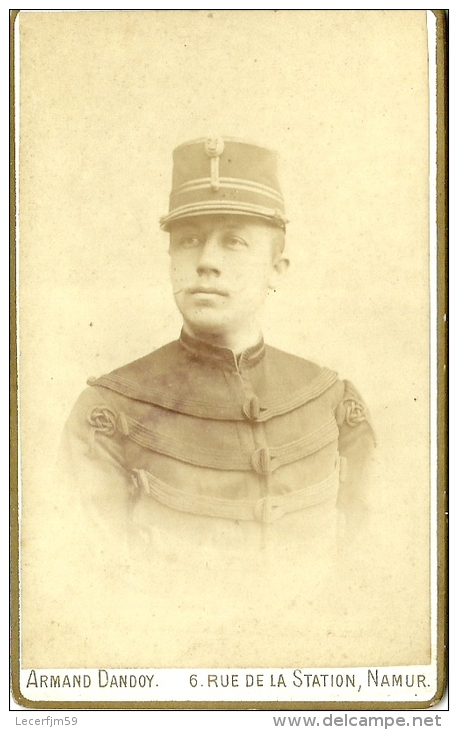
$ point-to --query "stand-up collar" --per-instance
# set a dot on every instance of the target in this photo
(223, 356)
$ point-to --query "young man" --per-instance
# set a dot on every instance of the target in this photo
(217, 441)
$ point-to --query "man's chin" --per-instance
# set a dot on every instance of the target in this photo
(206, 325)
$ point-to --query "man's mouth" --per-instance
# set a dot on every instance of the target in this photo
(208, 290)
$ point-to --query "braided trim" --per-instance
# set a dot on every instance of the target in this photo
(219, 411)
(226, 460)
(266, 509)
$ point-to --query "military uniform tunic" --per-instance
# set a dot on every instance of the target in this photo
(192, 447)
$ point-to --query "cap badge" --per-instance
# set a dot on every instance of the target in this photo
(214, 148)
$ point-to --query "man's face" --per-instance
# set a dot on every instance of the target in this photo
(221, 270)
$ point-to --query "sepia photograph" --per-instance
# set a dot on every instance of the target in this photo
(227, 273)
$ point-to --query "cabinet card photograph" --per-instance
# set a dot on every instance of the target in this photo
(227, 268)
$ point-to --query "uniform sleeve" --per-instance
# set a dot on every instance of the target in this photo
(92, 464)
(356, 445)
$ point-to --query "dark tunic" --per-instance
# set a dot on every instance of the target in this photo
(193, 448)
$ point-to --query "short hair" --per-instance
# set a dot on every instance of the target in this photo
(278, 241)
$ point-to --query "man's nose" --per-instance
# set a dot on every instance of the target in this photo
(210, 257)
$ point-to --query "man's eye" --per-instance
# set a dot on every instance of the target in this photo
(235, 242)
(189, 241)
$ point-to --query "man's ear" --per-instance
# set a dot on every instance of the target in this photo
(279, 267)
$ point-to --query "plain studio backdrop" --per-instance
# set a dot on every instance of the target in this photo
(104, 97)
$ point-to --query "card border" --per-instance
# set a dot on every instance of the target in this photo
(442, 434)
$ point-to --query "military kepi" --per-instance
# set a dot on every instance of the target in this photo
(217, 176)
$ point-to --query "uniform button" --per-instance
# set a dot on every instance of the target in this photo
(140, 479)
(266, 510)
(260, 461)
(123, 424)
(252, 409)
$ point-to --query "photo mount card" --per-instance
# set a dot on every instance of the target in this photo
(231, 451)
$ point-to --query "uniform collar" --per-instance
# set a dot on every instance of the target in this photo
(223, 356)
